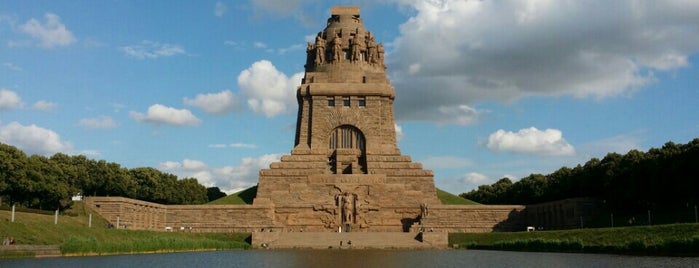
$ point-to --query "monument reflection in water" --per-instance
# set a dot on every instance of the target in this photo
(358, 258)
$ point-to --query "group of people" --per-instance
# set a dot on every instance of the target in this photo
(8, 241)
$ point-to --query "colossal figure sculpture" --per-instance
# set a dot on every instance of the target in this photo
(346, 143)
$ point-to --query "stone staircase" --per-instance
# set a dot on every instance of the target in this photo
(347, 240)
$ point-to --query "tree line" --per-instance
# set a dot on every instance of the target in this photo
(660, 177)
(50, 182)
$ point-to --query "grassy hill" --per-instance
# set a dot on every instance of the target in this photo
(74, 236)
(451, 199)
(243, 197)
(246, 196)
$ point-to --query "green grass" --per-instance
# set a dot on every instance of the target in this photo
(74, 236)
(673, 239)
(450, 199)
(243, 197)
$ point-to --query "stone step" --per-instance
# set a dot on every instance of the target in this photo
(347, 240)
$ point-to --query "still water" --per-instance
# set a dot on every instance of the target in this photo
(358, 259)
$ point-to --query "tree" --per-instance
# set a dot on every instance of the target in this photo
(213, 193)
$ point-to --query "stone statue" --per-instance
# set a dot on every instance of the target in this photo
(310, 54)
(337, 49)
(320, 49)
(348, 207)
(379, 53)
(357, 47)
(371, 49)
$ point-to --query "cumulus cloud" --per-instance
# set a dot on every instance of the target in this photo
(531, 141)
(399, 132)
(45, 106)
(51, 33)
(9, 100)
(453, 52)
(215, 103)
(220, 9)
(102, 122)
(229, 179)
(268, 91)
(152, 50)
(234, 145)
(33, 139)
(475, 179)
(160, 114)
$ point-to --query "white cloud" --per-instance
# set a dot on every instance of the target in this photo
(259, 44)
(215, 103)
(33, 139)
(269, 91)
(399, 132)
(9, 100)
(102, 122)
(458, 115)
(160, 114)
(229, 179)
(446, 162)
(234, 145)
(619, 144)
(455, 52)
(11, 66)
(220, 9)
(152, 50)
(50, 34)
(90, 152)
(531, 141)
(45, 106)
(476, 179)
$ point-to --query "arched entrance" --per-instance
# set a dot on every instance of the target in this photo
(347, 151)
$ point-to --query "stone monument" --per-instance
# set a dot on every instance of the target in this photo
(345, 171)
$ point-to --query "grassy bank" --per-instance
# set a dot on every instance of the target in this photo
(74, 236)
(669, 240)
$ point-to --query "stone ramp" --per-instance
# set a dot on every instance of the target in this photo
(359, 240)
(39, 251)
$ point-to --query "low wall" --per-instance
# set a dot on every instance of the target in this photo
(472, 219)
(134, 214)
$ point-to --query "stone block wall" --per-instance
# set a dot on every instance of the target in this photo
(472, 219)
(134, 214)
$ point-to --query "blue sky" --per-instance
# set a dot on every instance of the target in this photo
(485, 89)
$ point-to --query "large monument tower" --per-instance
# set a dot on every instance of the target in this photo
(345, 170)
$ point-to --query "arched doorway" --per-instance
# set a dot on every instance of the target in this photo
(347, 151)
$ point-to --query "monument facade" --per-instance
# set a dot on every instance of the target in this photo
(345, 170)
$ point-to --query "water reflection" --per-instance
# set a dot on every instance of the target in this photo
(358, 259)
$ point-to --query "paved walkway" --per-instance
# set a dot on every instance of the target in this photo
(353, 240)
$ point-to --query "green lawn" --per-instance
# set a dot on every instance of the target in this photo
(672, 239)
(74, 235)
